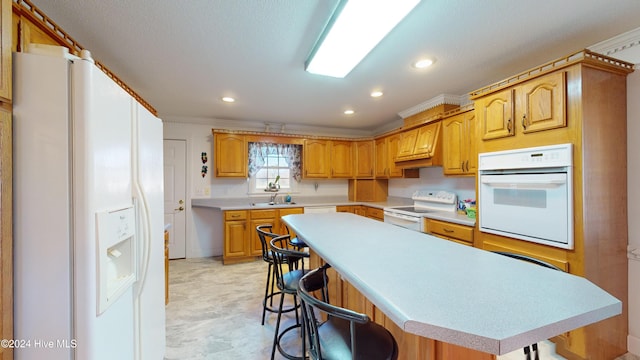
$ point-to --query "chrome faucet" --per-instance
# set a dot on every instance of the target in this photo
(273, 197)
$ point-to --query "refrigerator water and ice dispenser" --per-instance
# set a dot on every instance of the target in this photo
(116, 260)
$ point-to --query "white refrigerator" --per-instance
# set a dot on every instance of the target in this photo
(88, 215)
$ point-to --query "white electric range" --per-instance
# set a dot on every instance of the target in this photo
(424, 201)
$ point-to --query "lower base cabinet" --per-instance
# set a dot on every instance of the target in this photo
(410, 346)
(241, 242)
(454, 232)
(166, 267)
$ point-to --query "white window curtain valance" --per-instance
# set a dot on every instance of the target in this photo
(290, 152)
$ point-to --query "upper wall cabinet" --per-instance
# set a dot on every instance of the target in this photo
(541, 103)
(341, 159)
(364, 158)
(496, 113)
(327, 159)
(386, 149)
(459, 155)
(317, 157)
(536, 105)
(5, 50)
(420, 144)
(231, 155)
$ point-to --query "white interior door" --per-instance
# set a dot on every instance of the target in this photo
(175, 158)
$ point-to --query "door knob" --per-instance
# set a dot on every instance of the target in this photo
(181, 208)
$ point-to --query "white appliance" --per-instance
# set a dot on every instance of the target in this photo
(319, 209)
(527, 194)
(424, 201)
(88, 212)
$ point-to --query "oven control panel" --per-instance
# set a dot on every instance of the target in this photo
(439, 196)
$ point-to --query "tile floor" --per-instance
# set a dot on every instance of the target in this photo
(214, 314)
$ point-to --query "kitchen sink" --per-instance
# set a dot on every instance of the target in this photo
(261, 204)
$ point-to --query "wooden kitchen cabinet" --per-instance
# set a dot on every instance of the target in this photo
(327, 159)
(407, 143)
(241, 241)
(461, 234)
(364, 158)
(535, 105)
(419, 143)
(360, 210)
(460, 156)
(386, 150)
(235, 235)
(260, 217)
(496, 115)
(579, 99)
(6, 229)
(231, 154)
(316, 159)
(344, 208)
(341, 159)
(541, 103)
(374, 213)
(166, 267)
(5, 50)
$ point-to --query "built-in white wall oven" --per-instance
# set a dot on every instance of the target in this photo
(527, 194)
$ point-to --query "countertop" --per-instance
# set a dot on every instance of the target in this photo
(309, 201)
(451, 292)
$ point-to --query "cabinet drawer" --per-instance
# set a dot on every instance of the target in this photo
(263, 214)
(459, 232)
(235, 215)
(375, 213)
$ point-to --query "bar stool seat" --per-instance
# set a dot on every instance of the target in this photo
(295, 241)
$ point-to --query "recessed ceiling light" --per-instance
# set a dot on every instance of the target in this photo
(349, 112)
(422, 63)
(228, 99)
(376, 93)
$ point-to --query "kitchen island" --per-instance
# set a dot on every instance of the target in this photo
(452, 293)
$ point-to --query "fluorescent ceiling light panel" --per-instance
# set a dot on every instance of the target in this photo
(355, 28)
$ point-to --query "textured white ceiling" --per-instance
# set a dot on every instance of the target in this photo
(183, 55)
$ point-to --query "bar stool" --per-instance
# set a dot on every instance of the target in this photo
(295, 241)
(265, 235)
(345, 334)
(288, 276)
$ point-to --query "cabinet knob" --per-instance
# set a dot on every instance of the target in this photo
(509, 125)
(524, 121)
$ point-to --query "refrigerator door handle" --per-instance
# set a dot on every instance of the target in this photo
(143, 214)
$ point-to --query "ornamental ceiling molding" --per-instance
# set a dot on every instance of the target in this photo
(625, 47)
(441, 99)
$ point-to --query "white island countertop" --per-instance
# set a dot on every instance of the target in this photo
(451, 292)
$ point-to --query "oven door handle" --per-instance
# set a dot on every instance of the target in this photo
(523, 184)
